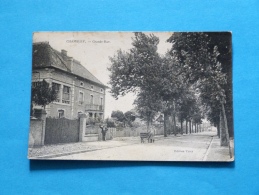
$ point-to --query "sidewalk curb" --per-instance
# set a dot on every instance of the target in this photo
(208, 150)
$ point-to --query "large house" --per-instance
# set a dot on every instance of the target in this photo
(78, 90)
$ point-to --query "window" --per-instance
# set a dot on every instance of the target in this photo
(66, 95)
(81, 84)
(61, 113)
(92, 99)
(101, 90)
(101, 104)
(56, 87)
(36, 84)
(81, 98)
(92, 87)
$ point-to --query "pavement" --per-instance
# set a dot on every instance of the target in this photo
(203, 146)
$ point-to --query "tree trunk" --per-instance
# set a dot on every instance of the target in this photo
(218, 130)
(174, 119)
(190, 126)
(182, 126)
(186, 126)
(224, 139)
(165, 126)
(148, 125)
(169, 124)
(223, 131)
(195, 130)
(175, 130)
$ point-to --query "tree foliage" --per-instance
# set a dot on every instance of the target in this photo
(142, 70)
(43, 94)
(130, 116)
(118, 115)
(188, 81)
(198, 56)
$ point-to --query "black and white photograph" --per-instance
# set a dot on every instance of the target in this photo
(132, 96)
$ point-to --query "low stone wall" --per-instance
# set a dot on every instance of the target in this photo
(36, 138)
(94, 133)
(135, 132)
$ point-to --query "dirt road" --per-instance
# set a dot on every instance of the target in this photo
(194, 147)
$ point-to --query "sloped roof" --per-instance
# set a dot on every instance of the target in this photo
(45, 56)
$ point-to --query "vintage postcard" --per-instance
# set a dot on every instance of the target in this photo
(132, 96)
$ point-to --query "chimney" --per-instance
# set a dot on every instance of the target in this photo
(70, 63)
(64, 52)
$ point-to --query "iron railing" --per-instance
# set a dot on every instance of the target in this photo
(94, 107)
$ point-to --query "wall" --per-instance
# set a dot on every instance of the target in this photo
(36, 133)
(86, 89)
(134, 132)
(95, 129)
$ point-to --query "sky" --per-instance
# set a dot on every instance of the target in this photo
(93, 50)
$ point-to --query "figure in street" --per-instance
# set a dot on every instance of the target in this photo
(151, 135)
(103, 130)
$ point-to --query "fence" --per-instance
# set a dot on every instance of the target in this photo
(61, 131)
(53, 131)
(135, 132)
(91, 129)
(112, 132)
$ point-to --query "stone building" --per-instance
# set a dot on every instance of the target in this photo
(78, 90)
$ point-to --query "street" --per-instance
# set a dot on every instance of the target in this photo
(195, 147)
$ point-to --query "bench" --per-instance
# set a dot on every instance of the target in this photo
(149, 136)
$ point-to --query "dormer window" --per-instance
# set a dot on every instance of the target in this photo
(81, 84)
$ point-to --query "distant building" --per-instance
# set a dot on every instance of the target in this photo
(78, 90)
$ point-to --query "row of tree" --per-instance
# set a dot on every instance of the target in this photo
(192, 80)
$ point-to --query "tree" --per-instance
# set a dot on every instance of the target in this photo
(224, 45)
(136, 71)
(198, 57)
(43, 94)
(148, 104)
(130, 115)
(118, 115)
(145, 72)
(186, 107)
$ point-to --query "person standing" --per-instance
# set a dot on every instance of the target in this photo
(151, 135)
(103, 131)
